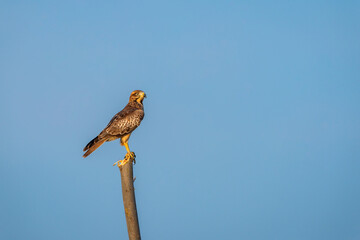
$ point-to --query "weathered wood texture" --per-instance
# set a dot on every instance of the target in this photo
(127, 184)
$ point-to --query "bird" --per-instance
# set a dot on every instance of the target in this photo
(121, 126)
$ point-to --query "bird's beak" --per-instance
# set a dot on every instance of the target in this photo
(142, 95)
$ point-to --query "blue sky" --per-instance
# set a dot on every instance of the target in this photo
(251, 129)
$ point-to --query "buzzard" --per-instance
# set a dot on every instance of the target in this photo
(121, 126)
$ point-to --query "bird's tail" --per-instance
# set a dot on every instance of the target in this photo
(92, 146)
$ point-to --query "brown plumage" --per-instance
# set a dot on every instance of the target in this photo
(121, 125)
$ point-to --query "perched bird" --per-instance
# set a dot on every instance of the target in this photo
(121, 126)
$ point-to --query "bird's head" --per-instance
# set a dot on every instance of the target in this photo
(137, 96)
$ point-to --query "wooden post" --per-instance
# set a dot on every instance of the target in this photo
(127, 184)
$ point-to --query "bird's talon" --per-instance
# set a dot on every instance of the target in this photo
(121, 162)
(130, 155)
(127, 157)
(133, 156)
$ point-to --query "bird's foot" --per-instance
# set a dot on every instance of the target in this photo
(128, 156)
(132, 156)
(120, 162)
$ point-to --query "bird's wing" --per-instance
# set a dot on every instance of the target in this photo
(124, 122)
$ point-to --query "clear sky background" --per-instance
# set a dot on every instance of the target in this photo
(251, 129)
